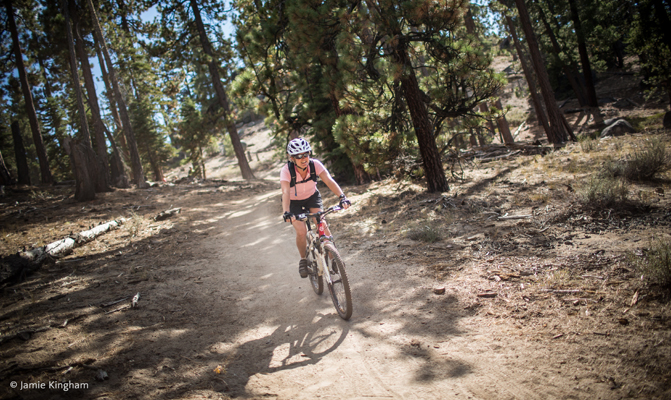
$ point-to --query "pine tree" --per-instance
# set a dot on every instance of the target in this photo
(28, 97)
(102, 178)
(80, 151)
(559, 131)
(136, 163)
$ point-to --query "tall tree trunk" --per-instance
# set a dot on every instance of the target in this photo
(155, 166)
(45, 172)
(85, 173)
(22, 169)
(80, 156)
(502, 123)
(56, 121)
(468, 21)
(433, 166)
(5, 175)
(577, 88)
(528, 74)
(136, 163)
(592, 100)
(485, 110)
(118, 164)
(221, 94)
(102, 179)
(472, 139)
(557, 132)
(109, 91)
(573, 66)
(663, 17)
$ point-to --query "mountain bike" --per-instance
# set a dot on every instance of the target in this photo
(325, 263)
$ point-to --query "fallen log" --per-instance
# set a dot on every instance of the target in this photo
(87, 236)
(17, 266)
(501, 157)
(523, 216)
(167, 214)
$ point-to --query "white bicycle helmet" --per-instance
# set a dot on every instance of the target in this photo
(298, 146)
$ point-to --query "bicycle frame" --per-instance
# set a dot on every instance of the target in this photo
(315, 241)
(325, 263)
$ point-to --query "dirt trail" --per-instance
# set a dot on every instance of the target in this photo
(220, 288)
(279, 340)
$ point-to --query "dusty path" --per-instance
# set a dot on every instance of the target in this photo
(277, 339)
(219, 288)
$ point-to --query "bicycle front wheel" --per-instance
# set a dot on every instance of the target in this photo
(316, 280)
(338, 284)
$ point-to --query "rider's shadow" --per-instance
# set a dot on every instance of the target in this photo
(289, 346)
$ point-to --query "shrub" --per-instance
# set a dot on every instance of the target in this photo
(648, 161)
(613, 169)
(587, 144)
(642, 165)
(604, 192)
(426, 233)
(656, 263)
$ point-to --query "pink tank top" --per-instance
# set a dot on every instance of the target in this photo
(302, 190)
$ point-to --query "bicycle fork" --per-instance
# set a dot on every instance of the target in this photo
(317, 253)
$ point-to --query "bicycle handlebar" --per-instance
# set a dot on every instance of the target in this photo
(304, 216)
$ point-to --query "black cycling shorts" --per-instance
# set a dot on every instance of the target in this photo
(303, 206)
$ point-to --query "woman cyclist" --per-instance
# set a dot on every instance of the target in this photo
(298, 180)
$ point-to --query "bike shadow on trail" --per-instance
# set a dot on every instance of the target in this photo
(286, 346)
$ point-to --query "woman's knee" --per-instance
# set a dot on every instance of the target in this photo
(301, 229)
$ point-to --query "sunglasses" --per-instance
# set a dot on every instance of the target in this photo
(300, 156)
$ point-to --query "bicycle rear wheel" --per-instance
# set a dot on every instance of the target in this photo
(316, 281)
(338, 284)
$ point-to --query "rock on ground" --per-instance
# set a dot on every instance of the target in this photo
(618, 128)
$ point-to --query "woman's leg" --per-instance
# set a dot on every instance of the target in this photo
(301, 237)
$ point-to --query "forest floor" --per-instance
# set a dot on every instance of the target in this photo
(541, 297)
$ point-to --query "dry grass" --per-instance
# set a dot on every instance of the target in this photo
(655, 263)
(604, 192)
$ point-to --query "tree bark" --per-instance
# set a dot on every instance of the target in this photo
(484, 108)
(102, 180)
(84, 172)
(136, 163)
(433, 166)
(557, 132)
(472, 139)
(663, 18)
(20, 154)
(221, 93)
(592, 100)
(468, 21)
(109, 91)
(502, 123)
(528, 74)
(470, 29)
(577, 88)
(5, 175)
(45, 172)
(84, 134)
(155, 166)
(80, 155)
(118, 164)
